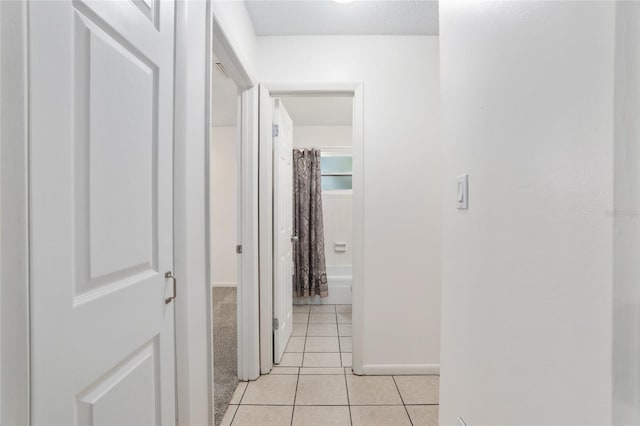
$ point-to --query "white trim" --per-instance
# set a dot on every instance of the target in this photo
(14, 215)
(354, 89)
(228, 56)
(338, 192)
(194, 353)
(248, 290)
(358, 287)
(224, 284)
(346, 89)
(399, 369)
(247, 277)
(265, 213)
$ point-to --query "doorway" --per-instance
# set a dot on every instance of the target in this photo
(302, 328)
(321, 317)
(224, 210)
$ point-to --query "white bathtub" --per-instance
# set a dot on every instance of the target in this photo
(339, 279)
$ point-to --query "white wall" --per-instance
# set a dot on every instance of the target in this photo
(322, 136)
(235, 23)
(14, 242)
(527, 100)
(337, 206)
(402, 187)
(337, 211)
(626, 293)
(224, 205)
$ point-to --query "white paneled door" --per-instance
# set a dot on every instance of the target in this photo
(282, 228)
(101, 170)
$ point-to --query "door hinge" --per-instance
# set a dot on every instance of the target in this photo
(275, 130)
(276, 324)
(239, 249)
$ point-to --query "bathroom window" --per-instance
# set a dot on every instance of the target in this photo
(337, 171)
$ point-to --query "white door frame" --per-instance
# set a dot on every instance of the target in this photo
(14, 215)
(248, 280)
(355, 90)
(197, 34)
(193, 330)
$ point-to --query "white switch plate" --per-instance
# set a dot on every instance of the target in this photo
(462, 196)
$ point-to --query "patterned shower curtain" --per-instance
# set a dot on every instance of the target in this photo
(310, 271)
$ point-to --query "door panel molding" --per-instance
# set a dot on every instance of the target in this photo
(101, 217)
(99, 403)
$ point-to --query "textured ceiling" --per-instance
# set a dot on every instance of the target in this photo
(319, 111)
(327, 17)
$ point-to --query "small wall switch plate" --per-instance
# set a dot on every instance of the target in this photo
(461, 422)
(463, 192)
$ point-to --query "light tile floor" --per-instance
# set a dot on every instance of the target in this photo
(314, 386)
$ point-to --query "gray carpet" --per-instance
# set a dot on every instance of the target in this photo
(225, 348)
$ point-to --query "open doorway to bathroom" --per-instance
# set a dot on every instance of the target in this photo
(322, 165)
(311, 181)
(301, 118)
(223, 192)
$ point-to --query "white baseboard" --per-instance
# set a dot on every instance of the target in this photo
(399, 369)
(224, 284)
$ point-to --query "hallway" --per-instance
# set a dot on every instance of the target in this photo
(314, 385)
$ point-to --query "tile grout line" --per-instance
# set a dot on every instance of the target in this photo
(244, 391)
(232, 417)
(295, 395)
(235, 413)
(341, 366)
(343, 372)
(340, 346)
(304, 349)
(298, 375)
(348, 401)
(337, 329)
(336, 405)
(402, 399)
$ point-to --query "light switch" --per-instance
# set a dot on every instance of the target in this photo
(463, 191)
